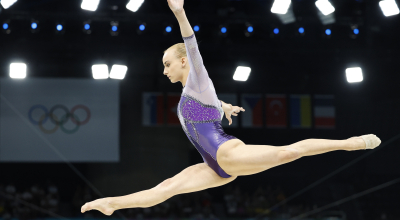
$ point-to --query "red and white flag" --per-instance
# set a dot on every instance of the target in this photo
(276, 111)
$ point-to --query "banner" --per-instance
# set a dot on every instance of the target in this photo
(252, 117)
(52, 120)
(276, 114)
(300, 111)
(324, 111)
(152, 109)
(230, 98)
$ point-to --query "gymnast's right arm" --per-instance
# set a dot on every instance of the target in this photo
(198, 80)
(177, 8)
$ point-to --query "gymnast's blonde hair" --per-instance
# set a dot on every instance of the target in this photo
(180, 50)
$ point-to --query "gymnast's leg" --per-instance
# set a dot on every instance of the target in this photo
(237, 158)
(194, 178)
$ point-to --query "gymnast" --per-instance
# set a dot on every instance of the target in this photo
(200, 113)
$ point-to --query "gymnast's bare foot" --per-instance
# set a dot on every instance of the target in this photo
(103, 205)
(369, 141)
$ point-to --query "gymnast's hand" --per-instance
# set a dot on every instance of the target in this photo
(175, 5)
(103, 205)
(231, 110)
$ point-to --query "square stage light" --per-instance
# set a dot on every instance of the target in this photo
(18, 70)
(354, 74)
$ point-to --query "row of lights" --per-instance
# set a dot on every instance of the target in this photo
(325, 7)
(388, 7)
(60, 28)
(168, 29)
(99, 71)
(353, 74)
(281, 7)
(90, 5)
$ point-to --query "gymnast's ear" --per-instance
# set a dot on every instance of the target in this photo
(184, 61)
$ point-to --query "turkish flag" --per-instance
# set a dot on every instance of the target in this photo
(276, 111)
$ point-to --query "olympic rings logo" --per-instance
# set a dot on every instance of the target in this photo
(59, 122)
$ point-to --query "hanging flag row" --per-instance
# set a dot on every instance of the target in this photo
(280, 110)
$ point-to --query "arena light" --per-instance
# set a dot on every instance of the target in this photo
(134, 5)
(326, 19)
(242, 73)
(100, 71)
(90, 5)
(280, 6)
(7, 3)
(34, 26)
(354, 74)
(18, 70)
(284, 11)
(325, 7)
(87, 27)
(223, 30)
(6, 27)
(328, 32)
(325, 12)
(249, 30)
(114, 28)
(118, 71)
(141, 28)
(389, 7)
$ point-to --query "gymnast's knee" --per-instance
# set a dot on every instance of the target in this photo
(165, 188)
(287, 154)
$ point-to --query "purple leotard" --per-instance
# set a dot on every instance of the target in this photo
(199, 110)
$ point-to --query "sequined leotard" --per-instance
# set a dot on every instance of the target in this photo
(199, 110)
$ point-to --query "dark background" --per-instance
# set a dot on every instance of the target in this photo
(287, 63)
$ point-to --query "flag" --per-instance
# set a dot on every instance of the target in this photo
(276, 111)
(172, 108)
(300, 111)
(324, 111)
(252, 117)
(153, 109)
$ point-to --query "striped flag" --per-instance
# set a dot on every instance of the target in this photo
(153, 109)
(276, 111)
(252, 117)
(324, 111)
(172, 108)
(300, 111)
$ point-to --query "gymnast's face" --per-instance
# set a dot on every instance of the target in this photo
(174, 68)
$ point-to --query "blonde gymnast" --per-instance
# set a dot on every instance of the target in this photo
(200, 113)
